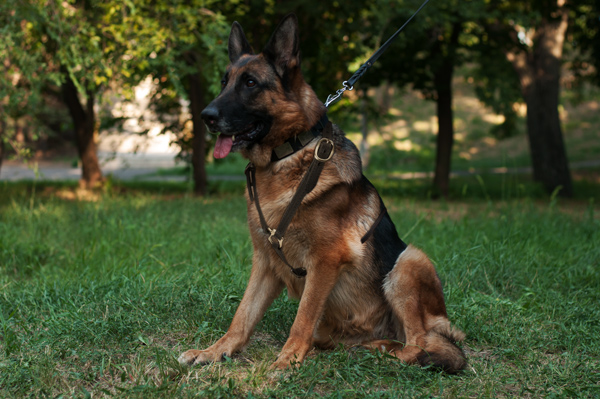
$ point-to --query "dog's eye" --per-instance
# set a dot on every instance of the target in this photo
(223, 83)
(250, 83)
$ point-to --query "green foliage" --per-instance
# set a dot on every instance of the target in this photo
(583, 42)
(509, 25)
(23, 73)
(171, 40)
(497, 86)
(421, 48)
(112, 44)
(106, 44)
(24, 68)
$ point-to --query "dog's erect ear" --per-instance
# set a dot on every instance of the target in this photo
(238, 44)
(283, 49)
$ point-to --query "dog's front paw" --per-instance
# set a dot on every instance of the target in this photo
(194, 357)
(284, 362)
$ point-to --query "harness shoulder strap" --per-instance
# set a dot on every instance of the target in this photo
(324, 151)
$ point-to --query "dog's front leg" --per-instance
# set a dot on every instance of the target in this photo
(262, 289)
(319, 284)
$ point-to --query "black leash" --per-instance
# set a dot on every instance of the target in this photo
(349, 84)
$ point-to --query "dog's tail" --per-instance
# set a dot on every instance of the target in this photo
(442, 351)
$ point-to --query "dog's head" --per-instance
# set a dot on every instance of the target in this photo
(264, 99)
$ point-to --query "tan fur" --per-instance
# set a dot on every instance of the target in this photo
(344, 298)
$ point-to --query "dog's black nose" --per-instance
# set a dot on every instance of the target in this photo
(210, 115)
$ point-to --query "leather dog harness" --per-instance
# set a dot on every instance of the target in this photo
(324, 151)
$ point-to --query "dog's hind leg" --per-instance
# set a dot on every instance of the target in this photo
(415, 295)
(262, 289)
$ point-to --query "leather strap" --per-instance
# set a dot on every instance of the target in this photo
(323, 152)
(369, 233)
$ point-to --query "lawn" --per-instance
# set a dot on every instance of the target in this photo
(99, 296)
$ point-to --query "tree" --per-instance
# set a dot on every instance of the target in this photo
(426, 55)
(182, 45)
(21, 81)
(442, 81)
(74, 50)
(2, 144)
(531, 36)
(194, 60)
(86, 45)
(71, 56)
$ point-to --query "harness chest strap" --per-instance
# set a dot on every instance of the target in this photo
(323, 152)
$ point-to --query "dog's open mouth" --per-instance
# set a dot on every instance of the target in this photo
(226, 142)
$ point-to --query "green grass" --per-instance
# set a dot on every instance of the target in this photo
(233, 165)
(98, 298)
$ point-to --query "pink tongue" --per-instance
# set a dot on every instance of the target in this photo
(223, 146)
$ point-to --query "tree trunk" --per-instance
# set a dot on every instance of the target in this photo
(84, 122)
(445, 137)
(2, 148)
(197, 104)
(548, 153)
(364, 127)
(539, 73)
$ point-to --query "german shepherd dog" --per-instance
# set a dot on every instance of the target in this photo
(362, 284)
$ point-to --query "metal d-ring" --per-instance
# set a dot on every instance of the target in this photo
(272, 236)
(328, 141)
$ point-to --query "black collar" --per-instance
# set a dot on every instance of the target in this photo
(300, 141)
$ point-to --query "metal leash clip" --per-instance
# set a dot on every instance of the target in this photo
(333, 97)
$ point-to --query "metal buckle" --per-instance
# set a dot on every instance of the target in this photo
(272, 236)
(330, 142)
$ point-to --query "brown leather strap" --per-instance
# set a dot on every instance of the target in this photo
(323, 152)
(253, 195)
